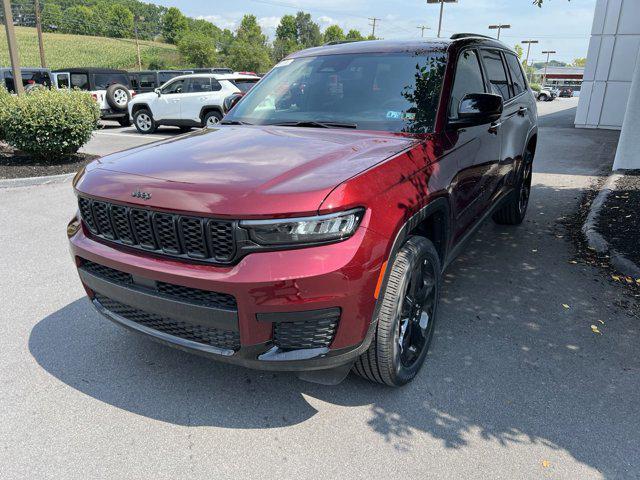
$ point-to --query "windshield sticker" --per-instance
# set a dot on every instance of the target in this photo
(392, 114)
(284, 63)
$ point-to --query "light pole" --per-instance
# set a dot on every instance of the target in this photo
(423, 28)
(546, 64)
(441, 2)
(528, 43)
(499, 27)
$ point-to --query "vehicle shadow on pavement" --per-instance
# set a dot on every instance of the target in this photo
(514, 360)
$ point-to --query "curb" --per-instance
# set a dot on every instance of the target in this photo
(597, 241)
(32, 181)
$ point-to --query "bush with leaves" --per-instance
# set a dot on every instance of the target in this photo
(535, 87)
(51, 125)
(6, 99)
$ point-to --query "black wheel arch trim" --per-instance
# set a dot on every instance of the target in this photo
(209, 108)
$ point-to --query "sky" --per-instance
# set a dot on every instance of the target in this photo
(559, 25)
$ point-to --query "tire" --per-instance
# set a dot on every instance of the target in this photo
(211, 118)
(514, 211)
(144, 122)
(387, 361)
(543, 97)
(124, 122)
(118, 97)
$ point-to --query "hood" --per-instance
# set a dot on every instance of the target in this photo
(241, 171)
(144, 96)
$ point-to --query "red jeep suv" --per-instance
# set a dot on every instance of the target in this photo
(309, 230)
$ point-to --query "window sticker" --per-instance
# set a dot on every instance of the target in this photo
(284, 63)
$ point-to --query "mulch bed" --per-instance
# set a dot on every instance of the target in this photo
(619, 222)
(16, 164)
(584, 254)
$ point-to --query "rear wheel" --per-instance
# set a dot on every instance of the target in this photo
(144, 122)
(514, 211)
(211, 118)
(407, 316)
(543, 97)
(124, 122)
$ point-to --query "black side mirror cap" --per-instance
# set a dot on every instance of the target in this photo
(478, 109)
(231, 101)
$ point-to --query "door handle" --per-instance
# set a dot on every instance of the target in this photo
(203, 98)
(176, 100)
(493, 128)
(522, 111)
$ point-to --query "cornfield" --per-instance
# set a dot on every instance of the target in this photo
(64, 51)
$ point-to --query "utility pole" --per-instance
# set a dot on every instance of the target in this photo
(422, 28)
(526, 62)
(135, 31)
(13, 48)
(373, 25)
(36, 7)
(499, 28)
(546, 64)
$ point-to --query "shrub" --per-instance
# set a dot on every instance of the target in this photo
(51, 124)
(535, 87)
(5, 104)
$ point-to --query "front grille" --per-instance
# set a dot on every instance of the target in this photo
(305, 334)
(196, 333)
(198, 238)
(197, 296)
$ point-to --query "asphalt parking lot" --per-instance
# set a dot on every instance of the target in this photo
(516, 384)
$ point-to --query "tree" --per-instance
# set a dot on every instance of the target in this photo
(249, 51)
(79, 20)
(579, 62)
(308, 32)
(287, 28)
(333, 33)
(119, 22)
(51, 17)
(354, 35)
(519, 50)
(174, 23)
(197, 48)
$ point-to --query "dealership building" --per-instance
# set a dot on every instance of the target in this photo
(610, 94)
(559, 77)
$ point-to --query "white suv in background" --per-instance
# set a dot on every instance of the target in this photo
(187, 101)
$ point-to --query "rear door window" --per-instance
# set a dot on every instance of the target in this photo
(496, 72)
(518, 81)
(468, 80)
(199, 85)
(80, 80)
(245, 84)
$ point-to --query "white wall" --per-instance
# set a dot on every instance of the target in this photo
(611, 63)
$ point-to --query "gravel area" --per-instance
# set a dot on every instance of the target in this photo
(619, 222)
(15, 164)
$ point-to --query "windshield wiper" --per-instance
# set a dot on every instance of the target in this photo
(314, 124)
(235, 122)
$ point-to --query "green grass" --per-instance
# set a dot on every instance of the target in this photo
(64, 51)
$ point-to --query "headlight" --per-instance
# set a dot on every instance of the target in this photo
(320, 229)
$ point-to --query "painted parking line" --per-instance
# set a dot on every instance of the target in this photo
(131, 135)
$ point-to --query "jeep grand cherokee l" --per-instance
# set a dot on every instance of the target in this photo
(309, 230)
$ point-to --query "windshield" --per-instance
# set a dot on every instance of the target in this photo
(396, 92)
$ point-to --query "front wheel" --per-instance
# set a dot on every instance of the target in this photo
(144, 121)
(407, 316)
(543, 98)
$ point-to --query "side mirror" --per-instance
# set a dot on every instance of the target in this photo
(158, 92)
(231, 101)
(478, 109)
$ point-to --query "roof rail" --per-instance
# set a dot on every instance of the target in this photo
(339, 42)
(458, 36)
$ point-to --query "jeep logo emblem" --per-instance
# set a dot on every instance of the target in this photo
(137, 193)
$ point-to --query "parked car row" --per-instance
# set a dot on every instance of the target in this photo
(184, 98)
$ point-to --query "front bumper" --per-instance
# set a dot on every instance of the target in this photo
(269, 287)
